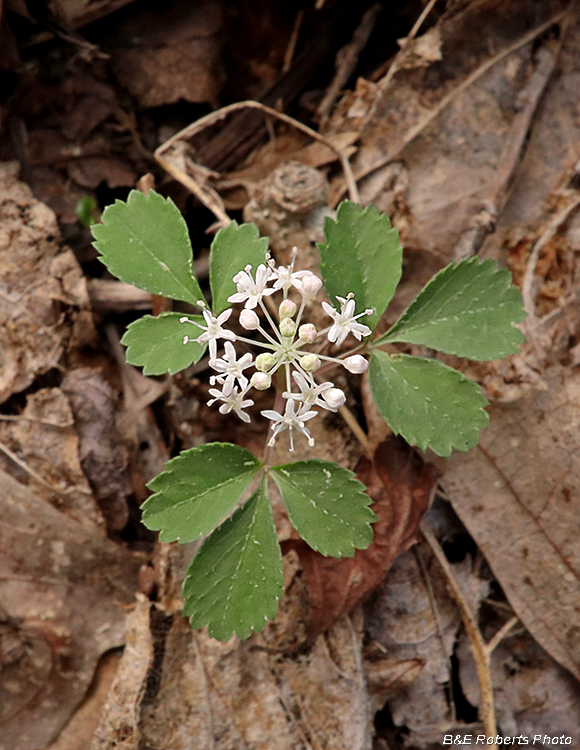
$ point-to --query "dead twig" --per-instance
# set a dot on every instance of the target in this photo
(346, 61)
(167, 159)
(481, 652)
(291, 48)
(384, 82)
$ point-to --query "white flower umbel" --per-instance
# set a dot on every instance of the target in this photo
(290, 420)
(345, 321)
(233, 401)
(284, 348)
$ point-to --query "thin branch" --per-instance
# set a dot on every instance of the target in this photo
(480, 651)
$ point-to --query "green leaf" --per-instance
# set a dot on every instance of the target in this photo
(197, 490)
(145, 242)
(327, 506)
(156, 343)
(236, 579)
(468, 309)
(234, 247)
(429, 404)
(362, 255)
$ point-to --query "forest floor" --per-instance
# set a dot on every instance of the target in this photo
(461, 121)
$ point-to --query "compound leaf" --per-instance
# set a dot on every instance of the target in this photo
(362, 255)
(429, 404)
(327, 506)
(145, 242)
(233, 248)
(468, 309)
(236, 579)
(156, 343)
(197, 490)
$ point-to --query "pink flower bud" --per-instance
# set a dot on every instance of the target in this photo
(334, 397)
(249, 320)
(356, 364)
(261, 381)
(287, 309)
(307, 333)
(310, 362)
(287, 328)
(310, 285)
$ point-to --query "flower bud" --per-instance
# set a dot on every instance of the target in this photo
(310, 285)
(261, 381)
(334, 397)
(249, 320)
(356, 364)
(307, 333)
(287, 309)
(287, 328)
(264, 362)
(310, 362)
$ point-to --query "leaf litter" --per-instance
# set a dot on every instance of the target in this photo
(469, 146)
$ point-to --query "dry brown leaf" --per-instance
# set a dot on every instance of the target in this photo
(36, 278)
(413, 617)
(454, 141)
(166, 54)
(518, 494)
(533, 694)
(45, 438)
(102, 452)
(65, 592)
(197, 693)
(402, 488)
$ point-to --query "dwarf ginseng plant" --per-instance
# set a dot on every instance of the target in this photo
(469, 309)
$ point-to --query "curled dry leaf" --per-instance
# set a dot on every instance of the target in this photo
(518, 494)
(402, 487)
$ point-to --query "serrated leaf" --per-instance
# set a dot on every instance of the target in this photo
(468, 309)
(236, 579)
(362, 255)
(197, 490)
(233, 248)
(145, 242)
(327, 506)
(429, 404)
(156, 344)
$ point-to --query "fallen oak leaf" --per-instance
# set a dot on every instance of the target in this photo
(402, 487)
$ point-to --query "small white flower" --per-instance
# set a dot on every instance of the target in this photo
(290, 420)
(356, 364)
(233, 401)
(345, 321)
(285, 276)
(212, 331)
(231, 368)
(250, 291)
(309, 392)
